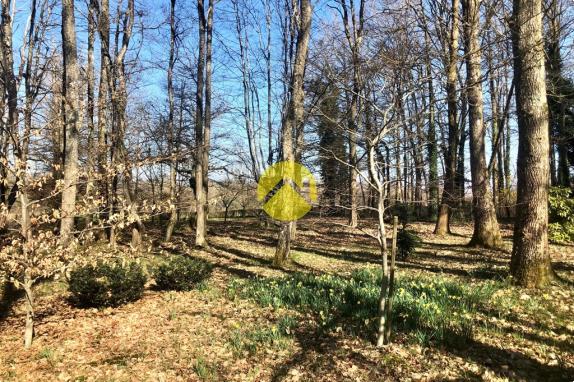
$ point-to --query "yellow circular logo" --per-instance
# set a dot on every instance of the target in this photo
(281, 188)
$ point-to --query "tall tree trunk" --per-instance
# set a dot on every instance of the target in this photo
(493, 90)
(170, 128)
(530, 263)
(443, 220)
(90, 79)
(207, 116)
(486, 231)
(104, 90)
(432, 148)
(72, 119)
(269, 83)
(200, 239)
(203, 121)
(119, 103)
(294, 115)
(354, 34)
(10, 86)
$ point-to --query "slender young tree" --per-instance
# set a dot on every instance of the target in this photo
(90, 79)
(104, 90)
(203, 120)
(530, 263)
(353, 25)
(170, 128)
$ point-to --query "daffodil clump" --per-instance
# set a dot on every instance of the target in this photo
(438, 309)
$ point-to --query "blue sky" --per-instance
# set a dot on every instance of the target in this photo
(151, 44)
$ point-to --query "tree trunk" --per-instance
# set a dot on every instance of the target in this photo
(103, 101)
(354, 35)
(90, 79)
(170, 128)
(432, 148)
(530, 263)
(29, 330)
(72, 119)
(200, 196)
(294, 115)
(443, 220)
(207, 116)
(486, 231)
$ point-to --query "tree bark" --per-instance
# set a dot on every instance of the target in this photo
(294, 115)
(90, 79)
(530, 263)
(170, 128)
(486, 231)
(354, 34)
(448, 195)
(202, 121)
(104, 90)
(72, 119)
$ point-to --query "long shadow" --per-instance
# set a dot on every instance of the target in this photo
(239, 272)
(501, 361)
(425, 254)
(253, 239)
(562, 345)
(563, 266)
(352, 256)
(319, 347)
(248, 258)
(432, 269)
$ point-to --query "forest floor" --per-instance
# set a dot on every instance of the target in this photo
(214, 333)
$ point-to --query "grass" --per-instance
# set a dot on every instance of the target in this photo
(204, 371)
(427, 309)
(46, 353)
(250, 341)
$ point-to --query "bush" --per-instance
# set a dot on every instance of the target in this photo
(407, 242)
(404, 211)
(561, 215)
(106, 284)
(182, 273)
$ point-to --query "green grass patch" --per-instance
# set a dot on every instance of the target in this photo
(204, 370)
(428, 309)
(251, 341)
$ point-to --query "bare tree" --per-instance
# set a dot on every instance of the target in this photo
(486, 230)
(72, 119)
(203, 119)
(450, 155)
(170, 128)
(293, 118)
(354, 26)
(530, 264)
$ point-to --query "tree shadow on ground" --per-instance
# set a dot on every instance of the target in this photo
(319, 354)
(504, 362)
(320, 350)
(478, 253)
(8, 297)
